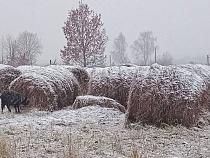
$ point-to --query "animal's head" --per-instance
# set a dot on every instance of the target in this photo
(25, 101)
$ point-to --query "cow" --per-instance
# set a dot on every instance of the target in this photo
(12, 98)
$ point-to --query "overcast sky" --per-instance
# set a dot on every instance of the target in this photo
(182, 27)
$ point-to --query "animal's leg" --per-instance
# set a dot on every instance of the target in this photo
(2, 107)
(8, 108)
(18, 108)
(15, 108)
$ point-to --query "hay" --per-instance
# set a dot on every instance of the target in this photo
(38, 90)
(170, 95)
(83, 101)
(58, 87)
(7, 75)
(80, 74)
(114, 82)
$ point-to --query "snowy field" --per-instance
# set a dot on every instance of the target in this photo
(99, 132)
(96, 132)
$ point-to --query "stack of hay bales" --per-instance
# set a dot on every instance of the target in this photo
(168, 94)
(114, 82)
(7, 75)
(83, 101)
(48, 88)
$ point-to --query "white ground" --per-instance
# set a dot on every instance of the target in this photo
(96, 132)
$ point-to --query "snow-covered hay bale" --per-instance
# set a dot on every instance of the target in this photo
(168, 95)
(7, 75)
(79, 73)
(113, 82)
(82, 77)
(38, 90)
(59, 88)
(83, 101)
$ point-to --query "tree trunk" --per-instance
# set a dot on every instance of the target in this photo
(84, 57)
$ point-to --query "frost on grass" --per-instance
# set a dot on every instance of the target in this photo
(97, 132)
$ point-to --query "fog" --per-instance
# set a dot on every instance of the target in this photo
(182, 27)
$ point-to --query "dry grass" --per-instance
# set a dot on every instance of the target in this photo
(6, 149)
(83, 101)
(104, 141)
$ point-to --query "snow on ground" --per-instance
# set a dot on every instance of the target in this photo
(42, 119)
(96, 132)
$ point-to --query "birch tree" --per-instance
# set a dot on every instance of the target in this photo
(144, 46)
(119, 54)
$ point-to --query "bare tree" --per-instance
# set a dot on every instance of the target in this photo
(166, 59)
(85, 37)
(119, 53)
(144, 46)
(22, 50)
(2, 60)
(29, 46)
(9, 50)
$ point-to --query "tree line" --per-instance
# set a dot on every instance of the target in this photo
(142, 50)
(22, 50)
(86, 41)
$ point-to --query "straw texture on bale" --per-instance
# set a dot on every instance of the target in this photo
(39, 91)
(7, 75)
(113, 82)
(83, 101)
(57, 85)
(80, 74)
(168, 95)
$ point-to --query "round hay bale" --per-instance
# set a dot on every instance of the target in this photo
(7, 75)
(80, 74)
(39, 91)
(63, 83)
(88, 100)
(114, 82)
(166, 95)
